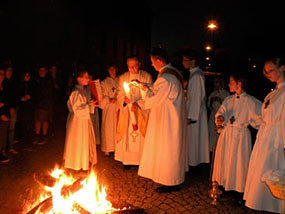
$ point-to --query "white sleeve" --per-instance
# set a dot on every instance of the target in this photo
(255, 113)
(79, 105)
(221, 111)
(161, 93)
(195, 97)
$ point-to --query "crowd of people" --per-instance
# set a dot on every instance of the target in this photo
(161, 126)
(28, 107)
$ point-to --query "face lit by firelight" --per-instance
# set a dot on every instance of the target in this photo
(84, 79)
(133, 65)
(234, 86)
(273, 72)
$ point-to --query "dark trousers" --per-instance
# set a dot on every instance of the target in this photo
(4, 127)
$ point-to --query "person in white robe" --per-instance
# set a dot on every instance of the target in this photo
(164, 154)
(129, 136)
(232, 154)
(268, 151)
(80, 145)
(197, 130)
(214, 102)
(109, 90)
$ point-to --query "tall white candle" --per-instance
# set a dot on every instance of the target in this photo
(132, 114)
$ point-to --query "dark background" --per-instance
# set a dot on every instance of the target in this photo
(70, 33)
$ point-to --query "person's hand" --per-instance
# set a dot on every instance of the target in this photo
(4, 118)
(220, 120)
(127, 100)
(1, 105)
(135, 106)
(94, 103)
(145, 87)
(12, 111)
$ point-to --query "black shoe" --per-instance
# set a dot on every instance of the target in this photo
(4, 159)
(166, 189)
(37, 139)
(13, 151)
(240, 203)
(127, 167)
(42, 140)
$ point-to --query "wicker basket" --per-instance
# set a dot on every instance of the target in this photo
(277, 191)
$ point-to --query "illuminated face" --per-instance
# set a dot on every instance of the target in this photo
(42, 72)
(133, 66)
(84, 80)
(187, 63)
(233, 85)
(156, 63)
(112, 72)
(273, 72)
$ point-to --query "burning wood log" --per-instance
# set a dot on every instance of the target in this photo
(46, 204)
(44, 179)
(71, 189)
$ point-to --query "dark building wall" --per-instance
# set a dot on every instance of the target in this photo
(73, 32)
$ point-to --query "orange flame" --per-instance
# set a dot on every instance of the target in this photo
(91, 197)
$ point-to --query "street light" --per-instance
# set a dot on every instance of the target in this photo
(208, 48)
(212, 25)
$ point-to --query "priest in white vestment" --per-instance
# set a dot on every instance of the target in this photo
(130, 137)
(164, 154)
(268, 150)
(109, 90)
(236, 113)
(197, 135)
(80, 145)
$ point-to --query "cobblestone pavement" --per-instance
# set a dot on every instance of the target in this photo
(17, 186)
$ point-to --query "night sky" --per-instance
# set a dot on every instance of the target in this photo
(246, 28)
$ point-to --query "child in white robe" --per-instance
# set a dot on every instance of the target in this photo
(232, 154)
(268, 151)
(80, 144)
(109, 89)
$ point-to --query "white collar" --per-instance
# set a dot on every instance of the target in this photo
(280, 85)
(192, 70)
(166, 66)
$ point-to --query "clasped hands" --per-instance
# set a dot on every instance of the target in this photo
(134, 107)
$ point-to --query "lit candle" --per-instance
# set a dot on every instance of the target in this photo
(127, 89)
(132, 114)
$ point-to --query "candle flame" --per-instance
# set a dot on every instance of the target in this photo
(126, 87)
